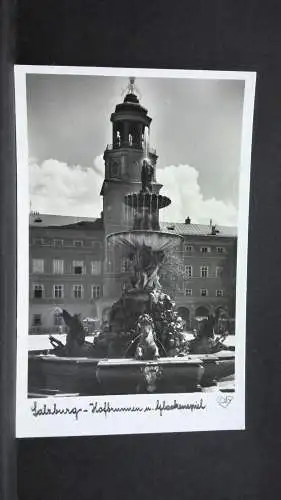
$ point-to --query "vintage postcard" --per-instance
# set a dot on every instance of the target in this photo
(133, 194)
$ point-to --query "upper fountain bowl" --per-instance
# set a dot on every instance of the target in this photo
(156, 240)
(153, 201)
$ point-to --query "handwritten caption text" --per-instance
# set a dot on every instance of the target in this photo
(107, 408)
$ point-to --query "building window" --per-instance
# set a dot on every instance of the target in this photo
(188, 292)
(188, 248)
(96, 291)
(204, 271)
(58, 291)
(38, 265)
(37, 241)
(188, 271)
(38, 291)
(78, 291)
(219, 271)
(219, 293)
(205, 250)
(220, 250)
(96, 245)
(45, 242)
(37, 320)
(78, 267)
(78, 243)
(125, 265)
(96, 267)
(58, 319)
(97, 249)
(58, 266)
(58, 243)
(204, 292)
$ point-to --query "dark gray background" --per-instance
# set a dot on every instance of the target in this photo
(192, 35)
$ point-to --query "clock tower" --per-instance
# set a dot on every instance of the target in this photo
(123, 162)
(123, 159)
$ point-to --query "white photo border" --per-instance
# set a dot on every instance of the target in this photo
(82, 421)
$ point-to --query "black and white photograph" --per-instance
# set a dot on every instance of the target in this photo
(133, 193)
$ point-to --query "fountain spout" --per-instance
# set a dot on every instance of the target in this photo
(146, 142)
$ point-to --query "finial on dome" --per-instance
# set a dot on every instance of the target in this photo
(131, 86)
(131, 89)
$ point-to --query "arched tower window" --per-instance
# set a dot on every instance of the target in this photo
(118, 138)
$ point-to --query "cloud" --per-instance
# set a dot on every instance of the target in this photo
(98, 165)
(181, 184)
(58, 188)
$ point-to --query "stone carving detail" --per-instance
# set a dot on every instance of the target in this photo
(115, 169)
(151, 374)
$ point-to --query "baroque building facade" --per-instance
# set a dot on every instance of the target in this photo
(72, 267)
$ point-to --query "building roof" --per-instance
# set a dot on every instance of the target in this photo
(198, 229)
(47, 220)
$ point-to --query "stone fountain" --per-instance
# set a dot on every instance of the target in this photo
(144, 348)
(143, 307)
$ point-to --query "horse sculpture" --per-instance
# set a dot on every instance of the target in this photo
(146, 348)
(76, 344)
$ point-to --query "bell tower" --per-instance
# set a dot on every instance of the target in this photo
(123, 158)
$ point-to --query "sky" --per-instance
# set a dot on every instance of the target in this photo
(196, 130)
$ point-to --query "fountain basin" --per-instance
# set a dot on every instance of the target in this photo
(225, 364)
(156, 240)
(164, 375)
(217, 366)
(210, 363)
(54, 375)
(51, 374)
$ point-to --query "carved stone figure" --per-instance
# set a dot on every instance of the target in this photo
(146, 177)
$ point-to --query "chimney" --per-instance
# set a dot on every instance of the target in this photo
(214, 230)
(188, 220)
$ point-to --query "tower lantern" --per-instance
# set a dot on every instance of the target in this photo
(129, 121)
